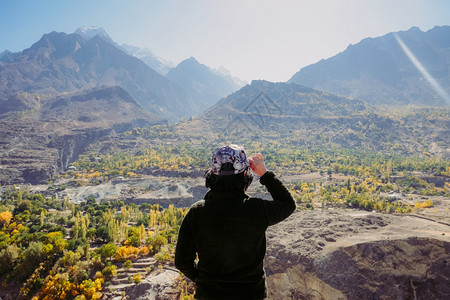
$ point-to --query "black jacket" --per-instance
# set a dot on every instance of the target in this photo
(227, 232)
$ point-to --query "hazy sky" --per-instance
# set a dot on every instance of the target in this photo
(253, 39)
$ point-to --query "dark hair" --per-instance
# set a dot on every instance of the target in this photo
(237, 182)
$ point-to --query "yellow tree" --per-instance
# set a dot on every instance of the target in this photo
(142, 232)
(5, 217)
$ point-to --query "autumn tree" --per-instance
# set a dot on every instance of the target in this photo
(5, 217)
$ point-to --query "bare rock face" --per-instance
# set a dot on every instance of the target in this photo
(40, 142)
(413, 268)
(367, 71)
(296, 283)
(339, 254)
(159, 287)
(34, 151)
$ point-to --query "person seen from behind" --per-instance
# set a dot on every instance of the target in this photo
(222, 243)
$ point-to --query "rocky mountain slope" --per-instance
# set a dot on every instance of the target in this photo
(338, 254)
(44, 136)
(146, 55)
(158, 64)
(88, 32)
(382, 71)
(201, 83)
(299, 115)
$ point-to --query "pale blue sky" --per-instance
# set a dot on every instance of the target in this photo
(253, 39)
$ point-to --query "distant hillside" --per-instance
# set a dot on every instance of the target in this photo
(109, 107)
(284, 99)
(379, 71)
(288, 113)
(61, 63)
(202, 84)
(41, 138)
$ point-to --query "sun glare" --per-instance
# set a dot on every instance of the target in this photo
(434, 84)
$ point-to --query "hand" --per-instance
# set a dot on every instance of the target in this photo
(257, 164)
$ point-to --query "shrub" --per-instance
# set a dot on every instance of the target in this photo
(107, 251)
(137, 278)
(110, 271)
(163, 256)
(144, 250)
(158, 242)
(128, 264)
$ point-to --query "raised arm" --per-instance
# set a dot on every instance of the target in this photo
(283, 204)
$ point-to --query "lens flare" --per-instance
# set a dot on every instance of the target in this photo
(434, 84)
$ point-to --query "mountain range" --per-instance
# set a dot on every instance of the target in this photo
(302, 116)
(401, 68)
(65, 63)
(201, 83)
(146, 55)
(67, 91)
(82, 94)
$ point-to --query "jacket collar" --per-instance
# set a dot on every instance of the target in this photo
(224, 195)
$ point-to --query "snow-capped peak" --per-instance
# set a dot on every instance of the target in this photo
(89, 32)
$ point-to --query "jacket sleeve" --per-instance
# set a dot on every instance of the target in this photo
(185, 251)
(283, 204)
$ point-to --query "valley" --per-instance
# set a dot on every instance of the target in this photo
(101, 156)
(345, 212)
(126, 189)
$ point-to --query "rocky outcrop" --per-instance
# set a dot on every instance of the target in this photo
(34, 152)
(358, 255)
(70, 146)
(38, 143)
(411, 268)
(402, 269)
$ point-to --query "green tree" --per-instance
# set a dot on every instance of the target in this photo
(107, 251)
(102, 233)
(32, 257)
(8, 257)
(109, 271)
(128, 264)
(158, 242)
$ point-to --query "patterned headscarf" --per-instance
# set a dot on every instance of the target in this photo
(230, 154)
